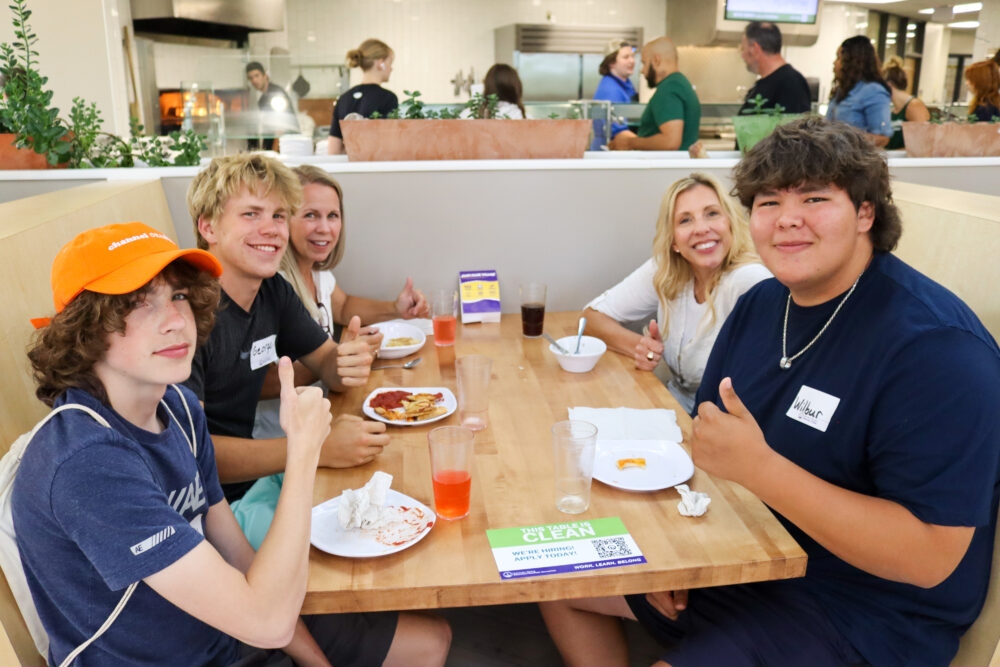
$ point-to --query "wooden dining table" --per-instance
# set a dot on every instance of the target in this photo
(737, 540)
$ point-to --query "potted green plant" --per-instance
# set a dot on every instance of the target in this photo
(37, 137)
(756, 123)
(412, 132)
(940, 138)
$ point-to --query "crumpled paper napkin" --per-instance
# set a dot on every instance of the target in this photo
(363, 508)
(693, 503)
(631, 423)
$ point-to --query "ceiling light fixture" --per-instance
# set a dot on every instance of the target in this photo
(964, 24)
(967, 8)
(929, 10)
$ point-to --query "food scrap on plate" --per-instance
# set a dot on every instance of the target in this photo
(638, 462)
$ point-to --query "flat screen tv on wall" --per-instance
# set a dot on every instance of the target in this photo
(776, 11)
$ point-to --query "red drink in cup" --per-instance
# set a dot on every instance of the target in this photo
(451, 470)
(444, 311)
(444, 329)
(451, 493)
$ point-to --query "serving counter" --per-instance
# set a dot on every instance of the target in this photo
(578, 225)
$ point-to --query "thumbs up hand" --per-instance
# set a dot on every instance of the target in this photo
(411, 302)
(649, 349)
(728, 444)
(354, 356)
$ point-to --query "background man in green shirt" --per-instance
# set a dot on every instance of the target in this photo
(671, 119)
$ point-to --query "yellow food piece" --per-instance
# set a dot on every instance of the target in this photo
(401, 342)
(631, 463)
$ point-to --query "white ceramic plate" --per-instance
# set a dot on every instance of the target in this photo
(667, 464)
(448, 400)
(410, 520)
(392, 330)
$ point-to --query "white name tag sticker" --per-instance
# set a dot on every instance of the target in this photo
(263, 352)
(813, 407)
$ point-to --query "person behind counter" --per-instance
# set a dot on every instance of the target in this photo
(501, 80)
(274, 105)
(375, 59)
(860, 96)
(615, 86)
(316, 245)
(905, 107)
(983, 79)
(779, 82)
(703, 261)
(673, 115)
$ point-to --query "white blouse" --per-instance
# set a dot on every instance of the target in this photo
(635, 299)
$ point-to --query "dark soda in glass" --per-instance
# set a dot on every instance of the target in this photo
(532, 319)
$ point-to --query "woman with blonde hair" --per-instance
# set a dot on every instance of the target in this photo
(983, 79)
(316, 243)
(905, 107)
(703, 261)
(375, 59)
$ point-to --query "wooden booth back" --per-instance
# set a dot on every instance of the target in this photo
(954, 237)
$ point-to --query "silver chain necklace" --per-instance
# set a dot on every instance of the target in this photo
(786, 361)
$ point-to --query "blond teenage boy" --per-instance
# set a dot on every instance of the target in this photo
(240, 206)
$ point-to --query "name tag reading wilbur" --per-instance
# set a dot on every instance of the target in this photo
(813, 407)
(263, 352)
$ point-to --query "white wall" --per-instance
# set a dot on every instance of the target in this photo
(433, 39)
(988, 33)
(80, 51)
(934, 68)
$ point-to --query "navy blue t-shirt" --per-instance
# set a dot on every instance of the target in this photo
(917, 378)
(96, 509)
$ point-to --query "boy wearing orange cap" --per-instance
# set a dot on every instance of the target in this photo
(97, 509)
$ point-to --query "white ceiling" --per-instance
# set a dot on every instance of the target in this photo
(912, 8)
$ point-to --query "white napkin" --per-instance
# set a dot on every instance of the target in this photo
(693, 503)
(630, 423)
(422, 323)
(364, 507)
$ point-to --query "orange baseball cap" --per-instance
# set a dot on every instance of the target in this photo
(118, 259)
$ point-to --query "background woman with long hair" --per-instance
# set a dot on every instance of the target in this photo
(860, 95)
(905, 107)
(501, 80)
(984, 84)
(703, 261)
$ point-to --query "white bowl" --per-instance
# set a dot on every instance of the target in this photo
(392, 330)
(591, 350)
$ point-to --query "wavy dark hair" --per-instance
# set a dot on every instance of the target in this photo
(63, 353)
(858, 63)
(984, 80)
(815, 151)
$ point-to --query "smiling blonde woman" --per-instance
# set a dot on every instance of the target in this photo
(703, 261)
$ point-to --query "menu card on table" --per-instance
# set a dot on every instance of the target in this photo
(480, 295)
(572, 546)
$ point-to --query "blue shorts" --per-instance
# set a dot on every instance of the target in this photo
(749, 625)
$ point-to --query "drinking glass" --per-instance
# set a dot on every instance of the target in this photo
(473, 375)
(532, 309)
(444, 310)
(574, 444)
(451, 469)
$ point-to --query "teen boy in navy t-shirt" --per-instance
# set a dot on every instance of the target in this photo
(857, 398)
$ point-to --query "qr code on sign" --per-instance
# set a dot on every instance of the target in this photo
(612, 547)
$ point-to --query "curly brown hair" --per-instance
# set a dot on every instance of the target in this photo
(63, 354)
(815, 151)
(858, 62)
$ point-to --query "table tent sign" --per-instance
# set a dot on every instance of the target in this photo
(479, 292)
(553, 548)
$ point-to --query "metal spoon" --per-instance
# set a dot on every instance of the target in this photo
(409, 364)
(557, 345)
(579, 334)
